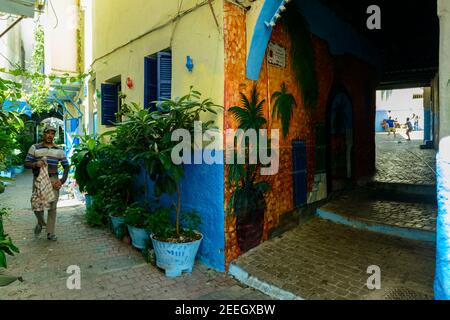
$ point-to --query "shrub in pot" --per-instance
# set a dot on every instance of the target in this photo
(148, 137)
(136, 220)
(116, 211)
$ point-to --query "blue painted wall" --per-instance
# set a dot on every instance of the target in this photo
(202, 188)
(442, 277)
(380, 115)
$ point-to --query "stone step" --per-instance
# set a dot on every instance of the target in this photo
(404, 192)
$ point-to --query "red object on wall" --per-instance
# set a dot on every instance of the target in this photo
(129, 83)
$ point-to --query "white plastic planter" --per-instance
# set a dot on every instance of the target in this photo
(175, 258)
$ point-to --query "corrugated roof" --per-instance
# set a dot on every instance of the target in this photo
(18, 7)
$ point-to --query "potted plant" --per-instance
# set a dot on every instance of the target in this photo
(136, 220)
(17, 164)
(148, 136)
(247, 201)
(86, 163)
(175, 250)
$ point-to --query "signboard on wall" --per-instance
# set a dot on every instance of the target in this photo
(277, 55)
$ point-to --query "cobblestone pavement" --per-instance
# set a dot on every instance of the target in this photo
(360, 205)
(323, 260)
(110, 269)
(403, 162)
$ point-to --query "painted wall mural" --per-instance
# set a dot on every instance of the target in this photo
(355, 75)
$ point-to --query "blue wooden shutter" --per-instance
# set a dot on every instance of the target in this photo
(74, 124)
(150, 82)
(299, 172)
(164, 75)
(110, 103)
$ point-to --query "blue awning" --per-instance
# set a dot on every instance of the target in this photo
(18, 106)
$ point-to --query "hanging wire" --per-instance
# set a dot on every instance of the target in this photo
(54, 12)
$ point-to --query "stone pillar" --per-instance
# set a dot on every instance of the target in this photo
(427, 114)
(442, 280)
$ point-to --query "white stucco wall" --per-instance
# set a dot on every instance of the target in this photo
(123, 35)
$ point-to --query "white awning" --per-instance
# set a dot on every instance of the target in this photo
(18, 7)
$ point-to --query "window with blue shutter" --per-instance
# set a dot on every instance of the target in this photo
(157, 78)
(164, 75)
(110, 103)
(150, 82)
(299, 172)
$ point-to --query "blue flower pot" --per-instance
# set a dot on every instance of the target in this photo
(139, 237)
(117, 223)
(88, 201)
(175, 258)
(18, 169)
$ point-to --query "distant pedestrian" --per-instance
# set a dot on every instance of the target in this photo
(391, 126)
(409, 128)
(416, 123)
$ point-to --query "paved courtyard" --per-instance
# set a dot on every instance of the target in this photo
(324, 260)
(360, 205)
(404, 162)
(110, 269)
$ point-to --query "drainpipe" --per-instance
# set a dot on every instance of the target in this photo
(442, 279)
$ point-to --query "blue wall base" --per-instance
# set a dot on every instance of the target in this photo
(413, 234)
(202, 189)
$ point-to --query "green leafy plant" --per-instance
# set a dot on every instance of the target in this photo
(303, 56)
(283, 107)
(86, 163)
(136, 216)
(39, 89)
(160, 224)
(147, 135)
(6, 248)
(95, 215)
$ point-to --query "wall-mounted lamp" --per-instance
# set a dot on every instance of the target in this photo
(129, 83)
(40, 5)
(189, 63)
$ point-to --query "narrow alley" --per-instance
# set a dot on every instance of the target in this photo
(110, 269)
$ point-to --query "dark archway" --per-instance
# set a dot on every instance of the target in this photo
(340, 139)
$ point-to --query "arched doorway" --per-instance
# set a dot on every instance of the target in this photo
(339, 140)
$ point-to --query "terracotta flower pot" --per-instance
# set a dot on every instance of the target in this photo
(250, 224)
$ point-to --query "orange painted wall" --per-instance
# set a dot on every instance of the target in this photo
(280, 199)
